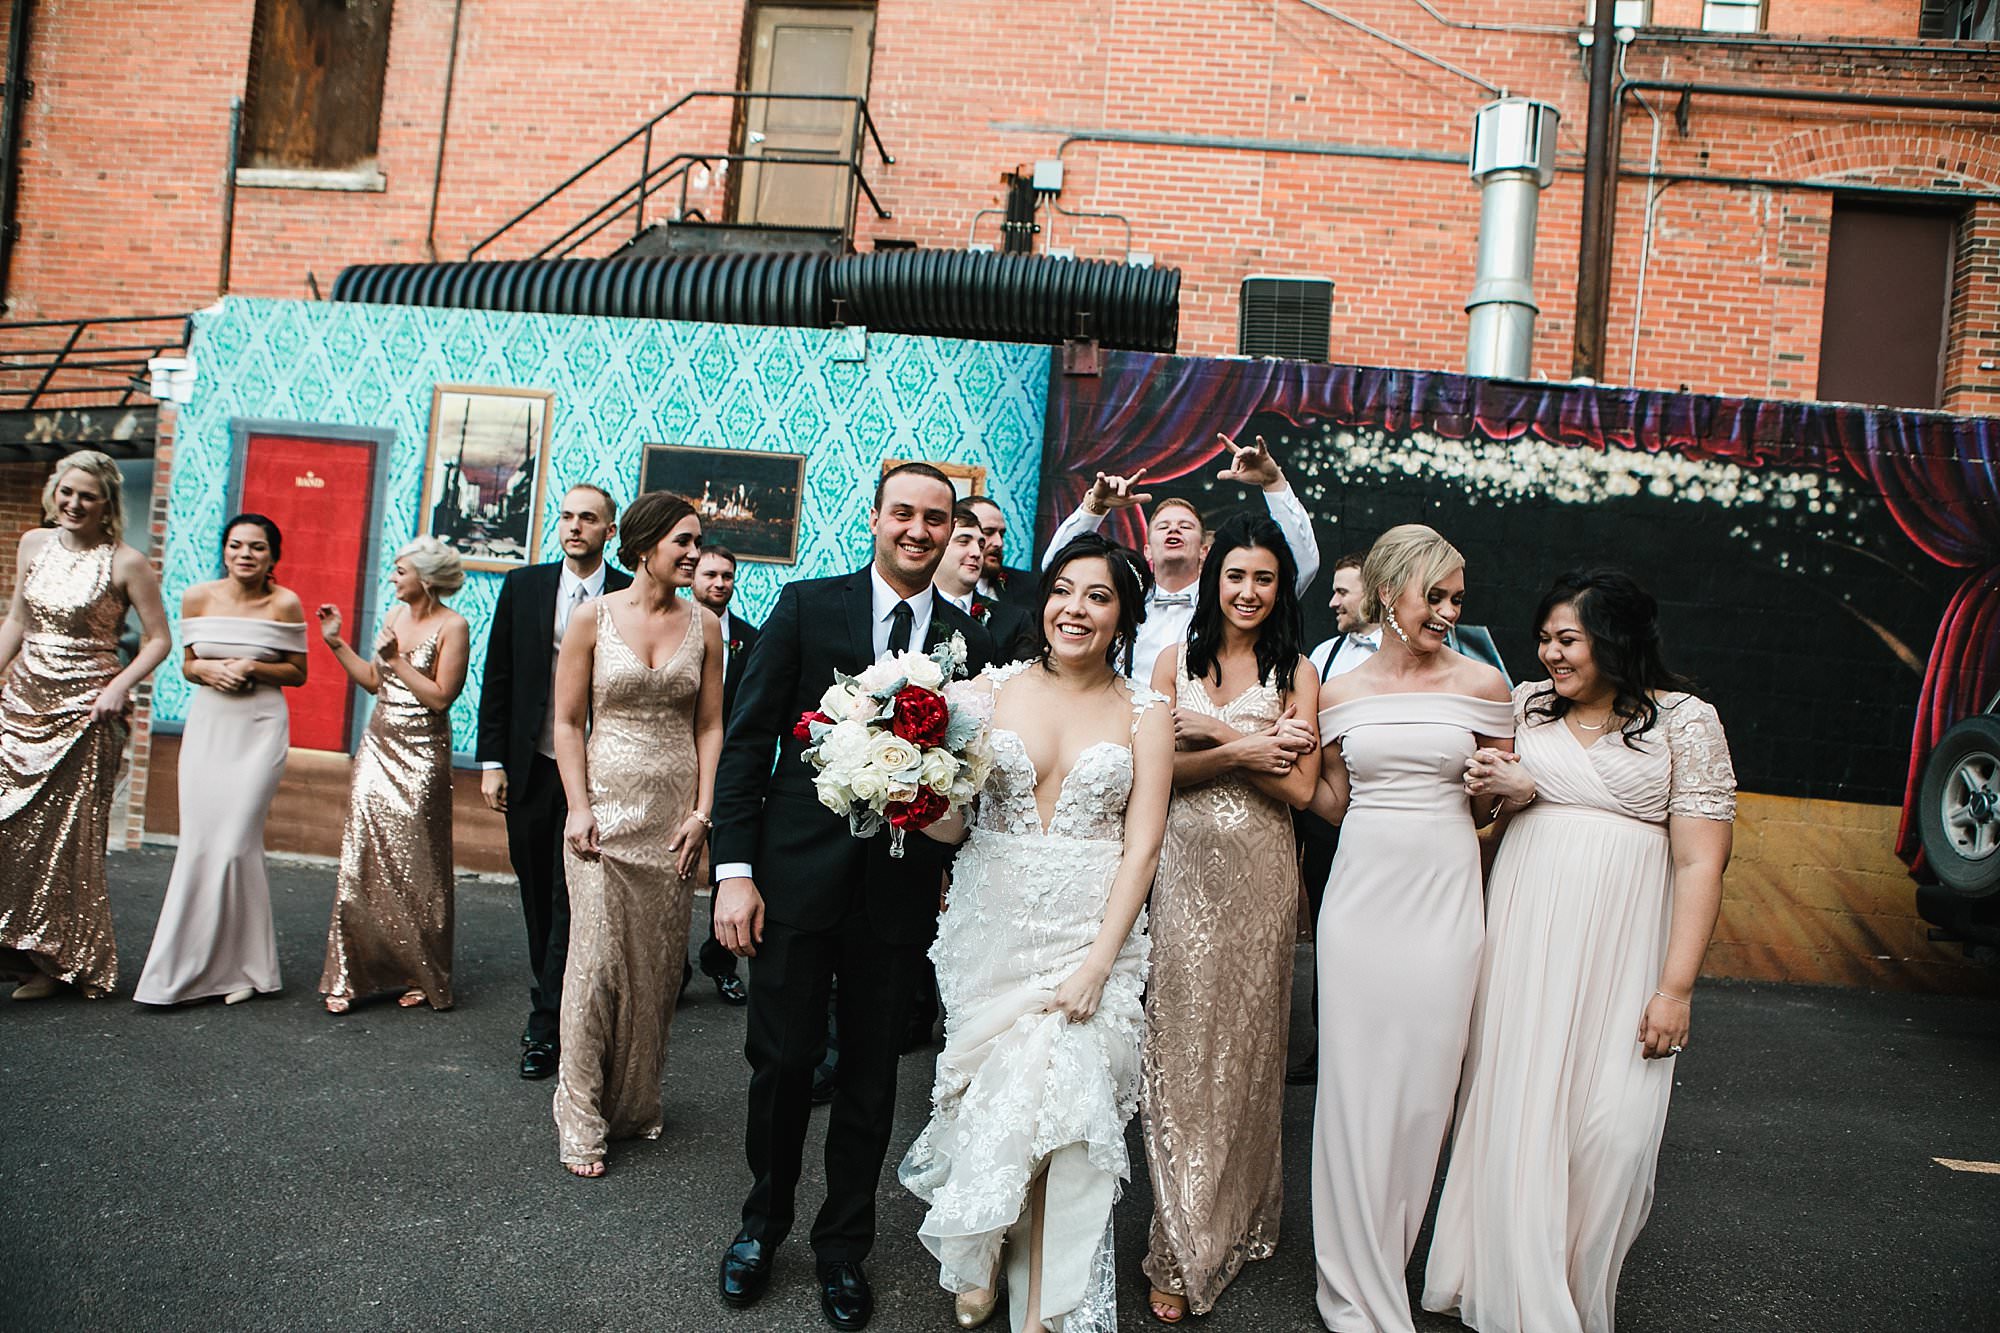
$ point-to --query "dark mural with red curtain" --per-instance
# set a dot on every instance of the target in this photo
(1829, 574)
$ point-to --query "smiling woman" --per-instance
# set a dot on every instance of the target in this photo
(63, 714)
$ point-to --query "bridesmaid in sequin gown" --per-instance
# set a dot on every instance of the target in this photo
(638, 731)
(392, 905)
(1400, 927)
(1602, 899)
(244, 641)
(1225, 913)
(63, 715)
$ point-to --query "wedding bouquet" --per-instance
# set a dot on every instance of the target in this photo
(890, 748)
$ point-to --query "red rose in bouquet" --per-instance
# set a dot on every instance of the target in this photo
(922, 716)
(926, 809)
(802, 731)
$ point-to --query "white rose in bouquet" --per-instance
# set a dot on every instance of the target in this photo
(922, 671)
(940, 770)
(895, 756)
(869, 784)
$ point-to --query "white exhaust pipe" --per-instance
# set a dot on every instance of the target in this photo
(1513, 159)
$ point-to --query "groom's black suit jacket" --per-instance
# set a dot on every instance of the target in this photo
(810, 871)
(514, 695)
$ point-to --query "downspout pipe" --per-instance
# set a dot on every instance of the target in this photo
(10, 136)
(1513, 159)
(1594, 239)
(444, 134)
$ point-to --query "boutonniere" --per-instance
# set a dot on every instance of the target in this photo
(736, 645)
(981, 609)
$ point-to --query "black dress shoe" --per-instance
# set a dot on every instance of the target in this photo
(539, 1060)
(844, 1295)
(732, 990)
(1303, 1070)
(746, 1271)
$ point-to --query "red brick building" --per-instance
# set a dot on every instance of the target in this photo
(1300, 142)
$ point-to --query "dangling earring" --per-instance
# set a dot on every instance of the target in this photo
(1389, 619)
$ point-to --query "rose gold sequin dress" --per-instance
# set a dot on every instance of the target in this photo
(57, 769)
(1218, 1006)
(628, 909)
(392, 905)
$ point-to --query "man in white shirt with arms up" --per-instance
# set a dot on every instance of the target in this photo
(1176, 542)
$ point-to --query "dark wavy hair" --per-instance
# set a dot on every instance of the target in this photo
(1126, 581)
(272, 538)
(1280, 639)
(651, 517)
(1622, 621)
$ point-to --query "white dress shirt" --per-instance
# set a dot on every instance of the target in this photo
(1167, 625)
(885, 599)
(1354, 649)
(723, 622)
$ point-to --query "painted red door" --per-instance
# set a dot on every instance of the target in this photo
(320, 493)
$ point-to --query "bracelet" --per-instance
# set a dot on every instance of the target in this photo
(710, 823)
(1675, 998)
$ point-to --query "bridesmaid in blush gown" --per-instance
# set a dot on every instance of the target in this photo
(63, 710)
(638, 731)
(1603, 897)
(1225, 921)
(244, 640)
(1399, 929)
(392, 905)
(1041, 959)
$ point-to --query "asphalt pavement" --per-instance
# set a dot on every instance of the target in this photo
(269, 1166)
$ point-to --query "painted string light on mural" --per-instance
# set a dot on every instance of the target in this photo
(1792, 517)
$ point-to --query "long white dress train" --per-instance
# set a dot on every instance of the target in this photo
(1018, 1089)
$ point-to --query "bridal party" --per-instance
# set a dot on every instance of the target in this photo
(1070, 811)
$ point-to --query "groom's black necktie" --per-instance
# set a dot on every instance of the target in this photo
(901, 620)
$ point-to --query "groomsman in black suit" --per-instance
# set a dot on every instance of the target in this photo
(714, 586)
(958, 580)
(810, 905)
(517, 752)
(1000, 582)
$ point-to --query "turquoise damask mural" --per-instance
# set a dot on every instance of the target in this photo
(844, 399)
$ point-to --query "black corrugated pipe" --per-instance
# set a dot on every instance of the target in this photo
(945, 293)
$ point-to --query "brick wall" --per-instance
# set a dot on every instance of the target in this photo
(124, 159)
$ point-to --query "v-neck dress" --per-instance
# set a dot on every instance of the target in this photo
(1560, 1118)
(628, 907)
(1218, 1006)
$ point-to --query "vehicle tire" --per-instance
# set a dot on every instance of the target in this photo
(1958, 807)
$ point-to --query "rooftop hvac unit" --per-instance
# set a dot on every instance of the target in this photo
(1286, 316)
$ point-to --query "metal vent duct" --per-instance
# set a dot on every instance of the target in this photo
(946, 293)
(1284, 315)
(1513, 159)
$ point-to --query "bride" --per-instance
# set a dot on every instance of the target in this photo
(1041, 958)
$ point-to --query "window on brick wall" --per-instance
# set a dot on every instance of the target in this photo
(1888, 303)
(314, 97)
(1732, 15)
(1624, 13)
(1960, 20)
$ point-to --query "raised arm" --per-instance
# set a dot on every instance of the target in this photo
(1107, 493)
(362, 673)
(1145, 827)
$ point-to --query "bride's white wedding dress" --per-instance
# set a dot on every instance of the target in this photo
(1018, 1087)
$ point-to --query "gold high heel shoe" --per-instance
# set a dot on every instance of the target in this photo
(971, 1309)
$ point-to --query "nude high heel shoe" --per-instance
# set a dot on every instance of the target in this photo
(971, 1308)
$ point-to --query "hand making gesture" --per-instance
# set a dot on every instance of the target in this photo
(1251, 465)
(1111, 492)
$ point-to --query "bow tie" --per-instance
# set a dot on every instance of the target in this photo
(1173, 599)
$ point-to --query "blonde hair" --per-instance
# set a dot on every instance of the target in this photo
(1405, 554)
(104, 470)
(436, 564)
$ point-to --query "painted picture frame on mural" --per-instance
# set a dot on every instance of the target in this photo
(748, 500)
(484, 472)
(968, 479)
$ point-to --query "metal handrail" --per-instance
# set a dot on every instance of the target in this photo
(71, 355)
(643, 135)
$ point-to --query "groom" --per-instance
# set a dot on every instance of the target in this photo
(810, 905)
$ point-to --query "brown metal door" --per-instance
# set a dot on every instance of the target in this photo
(1888, 304)
(803, 50)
